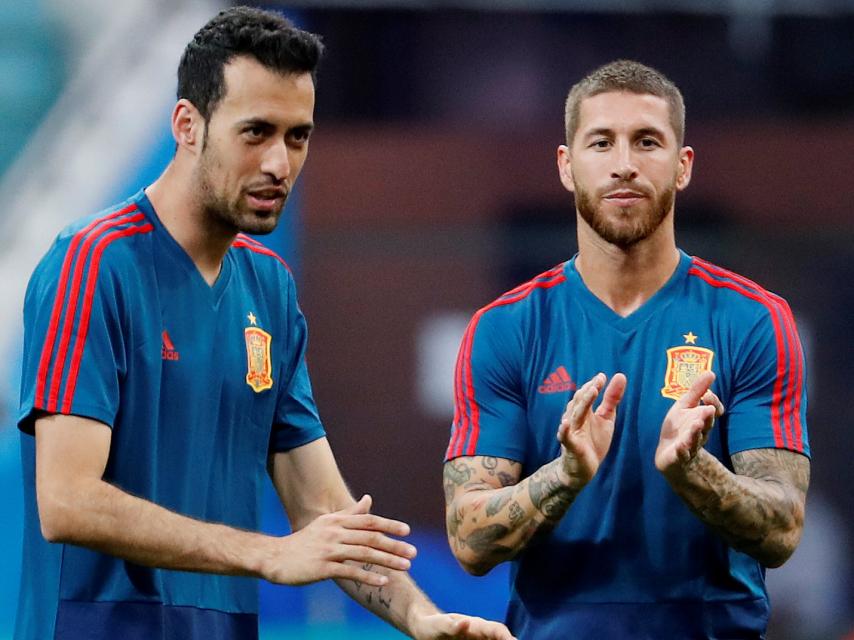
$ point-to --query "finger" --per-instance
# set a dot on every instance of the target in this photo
(372, 522)
(612, 396)
(369, 555)
(583, 399)
(698, 388)
(378, 541)
(711, 399)
(357, 573)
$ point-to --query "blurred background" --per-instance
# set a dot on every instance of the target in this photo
(430, 189)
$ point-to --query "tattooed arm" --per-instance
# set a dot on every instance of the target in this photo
(491, 515)
(337, 537)
(759, 509)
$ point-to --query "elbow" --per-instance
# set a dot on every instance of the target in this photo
(471, 562)
(57, 513)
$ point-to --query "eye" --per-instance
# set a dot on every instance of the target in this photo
(301, 135)
(649, 143)
(601, 143)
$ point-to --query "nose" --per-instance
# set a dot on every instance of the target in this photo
(625, 168)
(276, 162)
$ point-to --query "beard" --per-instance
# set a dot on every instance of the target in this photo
(630, 225)
(233, 216)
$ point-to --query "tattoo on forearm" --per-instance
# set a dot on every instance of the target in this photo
(371, 592)
(517, 513)
(483, 540)
(548, 494)
(758, 510)
(497, 502)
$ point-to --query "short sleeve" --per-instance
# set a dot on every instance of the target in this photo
(768, 405)
(489, 407)
(74, 351)
(296, 421)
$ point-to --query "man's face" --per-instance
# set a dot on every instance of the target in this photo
(624, 166)
(256, 142)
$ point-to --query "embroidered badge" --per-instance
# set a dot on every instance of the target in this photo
(684, 364)
(259, 364)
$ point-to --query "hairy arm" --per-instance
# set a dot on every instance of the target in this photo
(491, 515)
(77, 506)
(759, 509)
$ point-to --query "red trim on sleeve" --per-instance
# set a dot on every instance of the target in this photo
(245, 242)
(467, 425)
(59, 300)
(86, 311)
(786, 423)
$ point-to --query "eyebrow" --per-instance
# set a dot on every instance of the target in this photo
(261, 122)
(643, 131)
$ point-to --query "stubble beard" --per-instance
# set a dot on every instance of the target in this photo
(233, 217)
(635, 223)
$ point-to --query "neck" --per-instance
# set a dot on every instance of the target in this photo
(625, 278)
(180, 211)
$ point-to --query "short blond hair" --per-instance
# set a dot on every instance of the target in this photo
(625, 75)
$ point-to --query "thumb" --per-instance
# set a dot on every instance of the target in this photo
(362, 506)
(701, 384)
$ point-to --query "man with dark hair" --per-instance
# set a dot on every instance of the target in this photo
(639, 520)
(164, 376)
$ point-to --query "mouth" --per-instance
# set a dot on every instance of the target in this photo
(624, 197)
(267, 199)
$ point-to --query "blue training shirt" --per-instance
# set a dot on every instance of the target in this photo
(628, 559)
(197, 383)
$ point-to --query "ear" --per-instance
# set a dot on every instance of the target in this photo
(686, 164)
(188, 125)
(564, 168)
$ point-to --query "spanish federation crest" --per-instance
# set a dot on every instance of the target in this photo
(259, 365)
(684, 364)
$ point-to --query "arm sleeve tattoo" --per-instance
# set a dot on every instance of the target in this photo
(491, 515)
(759, 509)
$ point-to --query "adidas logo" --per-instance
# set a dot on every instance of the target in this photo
(557, 381)
(168, 352)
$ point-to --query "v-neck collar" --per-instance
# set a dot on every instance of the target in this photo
(659, 300)
(183, 258)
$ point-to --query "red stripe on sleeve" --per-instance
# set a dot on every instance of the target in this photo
(468, 392)
(460, 412)
(776, 399)
(73, 298)
(794, 388)
(86, 311)
(59, 300)
(247, 243)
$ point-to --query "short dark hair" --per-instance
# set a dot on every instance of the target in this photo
(625, 75)
(268, 37)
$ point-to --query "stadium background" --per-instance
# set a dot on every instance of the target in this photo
(430, 189)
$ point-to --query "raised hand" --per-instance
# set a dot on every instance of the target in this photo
(585, 435)
(453, 626)
(687, 425)
(321, 549)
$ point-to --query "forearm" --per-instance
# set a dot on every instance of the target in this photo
(487, 526)
(398, 602)
(762, 517)
(100, 516)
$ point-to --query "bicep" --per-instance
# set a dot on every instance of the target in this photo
(308, 482)
(476, 473)
(781, 466)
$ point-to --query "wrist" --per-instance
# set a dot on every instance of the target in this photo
(569, 473)
(416, 613)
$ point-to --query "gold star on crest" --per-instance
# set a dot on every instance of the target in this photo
(252, 319)
(690, 338)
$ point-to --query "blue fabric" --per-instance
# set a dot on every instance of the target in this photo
(197, 383)
(628, 539)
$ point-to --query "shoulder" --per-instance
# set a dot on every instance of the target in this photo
(104, 241)
(249, 251)
(525, 301)
(735, 296)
